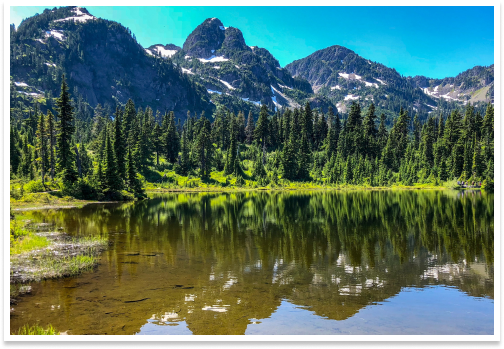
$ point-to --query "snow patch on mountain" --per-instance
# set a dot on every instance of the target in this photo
(213, 59)
(228, 85)
(350, 76)
(351, 97)
(277, 105)
(58, 34)
(256, 103)
(212, 91)
(337, 87)
(187, 71)
(79, 16)
(370, 84)
(164, 52)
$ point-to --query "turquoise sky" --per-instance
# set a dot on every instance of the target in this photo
(433, 41)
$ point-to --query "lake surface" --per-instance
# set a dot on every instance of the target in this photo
(326, 262)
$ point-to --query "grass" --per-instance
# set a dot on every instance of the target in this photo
(28, 243)
(38, 256)
(58, 260)
(36, 330)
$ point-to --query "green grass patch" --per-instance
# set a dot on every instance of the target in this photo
(36, 330)
(28, 243)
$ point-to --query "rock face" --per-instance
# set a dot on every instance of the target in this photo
(205, 39)
(473, 85)
(344, 76)
(235, 74)
(102, 62)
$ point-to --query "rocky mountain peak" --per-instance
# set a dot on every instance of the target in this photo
(205, 39)
(234, 40)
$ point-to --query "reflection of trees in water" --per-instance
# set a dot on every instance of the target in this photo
(333, 252)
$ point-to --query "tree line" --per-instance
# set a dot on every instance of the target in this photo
(301, 144)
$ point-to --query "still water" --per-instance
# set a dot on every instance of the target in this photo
(359, 262)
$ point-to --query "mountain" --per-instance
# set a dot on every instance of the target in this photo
(237, 75)
(473, 85)
(343, 76)
(104, 64)
(102, 61)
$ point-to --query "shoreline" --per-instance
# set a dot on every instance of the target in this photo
(21, 206)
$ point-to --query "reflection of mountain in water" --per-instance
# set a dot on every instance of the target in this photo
(220, 261)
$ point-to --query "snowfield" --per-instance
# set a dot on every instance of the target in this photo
(164, 52)
(213, 59)
(351, 97)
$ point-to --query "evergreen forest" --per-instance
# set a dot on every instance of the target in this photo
(118, 154)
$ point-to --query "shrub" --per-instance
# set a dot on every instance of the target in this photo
(81, 189)
(34, 187)
(488, 185)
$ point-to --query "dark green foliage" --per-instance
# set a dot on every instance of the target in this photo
(120, 144)
(112, 180)
(250, 129)
(66, 156)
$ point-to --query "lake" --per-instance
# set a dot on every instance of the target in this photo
(319, 262)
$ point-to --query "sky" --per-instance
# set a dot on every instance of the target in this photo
(436, 42)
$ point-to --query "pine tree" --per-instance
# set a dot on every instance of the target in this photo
(157, 141)
(258, 172)
(232, 150)
(171, 140)
(382, 133)
(204, 148)
(25, 169)
(241, 127)
(134, 183)
(120, 144)
(66, 156)
(261, 130)
(86, 162)
(304, 156)
(370, 133)
(42, 148)
(333, 134)
(112, 180)
(15, 152)
(307, 122)
(185, 165)
(289, 163)
(478, 165)
(129, 117)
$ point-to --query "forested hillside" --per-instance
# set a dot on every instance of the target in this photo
(138, 146)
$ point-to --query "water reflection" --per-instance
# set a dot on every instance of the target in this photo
(218, 263)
